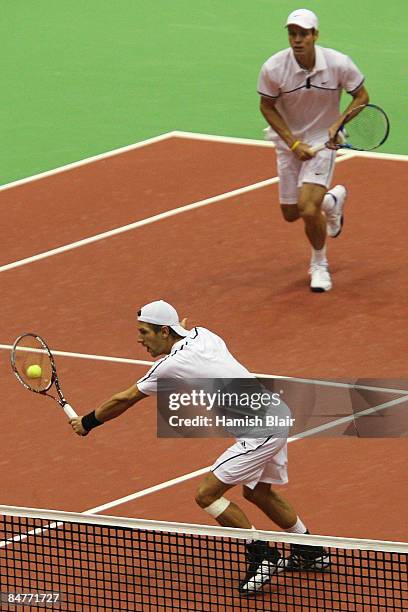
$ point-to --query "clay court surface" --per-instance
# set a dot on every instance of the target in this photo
(232, 265)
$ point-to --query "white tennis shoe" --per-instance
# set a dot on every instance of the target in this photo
(335, 219)
(320, 278)
(265, 571)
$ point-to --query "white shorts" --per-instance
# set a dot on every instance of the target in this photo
(248, 462)
(293, 173)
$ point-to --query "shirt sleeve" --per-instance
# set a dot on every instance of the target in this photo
(148, 383)
(267, 86)
(351, 78)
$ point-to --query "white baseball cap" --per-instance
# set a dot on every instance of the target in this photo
(303, 18)
(162, 313)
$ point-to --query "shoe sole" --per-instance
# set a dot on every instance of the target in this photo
(320, 288)
(341, 227)
(255, 592)
(325, 568)
(300, 564)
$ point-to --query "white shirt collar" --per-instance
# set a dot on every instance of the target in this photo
(178, 344)
(320, 63)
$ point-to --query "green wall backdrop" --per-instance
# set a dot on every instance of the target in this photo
(81, 77)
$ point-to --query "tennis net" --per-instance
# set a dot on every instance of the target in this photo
(77, 562)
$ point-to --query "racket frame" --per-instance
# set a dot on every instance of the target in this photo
(341, 138)
(69, 411)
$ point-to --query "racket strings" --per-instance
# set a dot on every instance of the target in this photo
(30, 352)
(366, 129)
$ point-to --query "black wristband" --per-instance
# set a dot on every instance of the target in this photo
(89, 421)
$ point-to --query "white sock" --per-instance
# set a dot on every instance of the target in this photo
(329, 203)
(298, 527)
(319, 257)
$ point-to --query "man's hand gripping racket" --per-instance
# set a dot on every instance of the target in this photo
(364, 128)
(34, 366)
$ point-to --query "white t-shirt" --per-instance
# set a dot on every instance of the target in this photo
(309, 102)
(201, 354)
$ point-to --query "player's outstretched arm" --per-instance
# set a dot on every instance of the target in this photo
(112, 408)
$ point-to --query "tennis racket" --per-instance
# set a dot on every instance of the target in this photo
(364, 128)
(31, 350)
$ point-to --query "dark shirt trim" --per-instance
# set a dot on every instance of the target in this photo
(267, 96)
(310, 85)
(356, 88)
(147, 376)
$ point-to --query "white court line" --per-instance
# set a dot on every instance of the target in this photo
(86, 161)
(108, 234)
(223, 139)
(175, 481)
(181, 134)
(178, 134)
(200, 472)
(330, 383)
(126, 228)
(265, 143)
(142, 362)
(159, 217)
(8, 347)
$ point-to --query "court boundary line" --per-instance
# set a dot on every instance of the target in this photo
(185, 208)
(201, 471)
(264, 143)
(141, 223)
(147, 221)
(176, 527)
(87, 160)
(139, 144)
(143, 362)
(178, 134)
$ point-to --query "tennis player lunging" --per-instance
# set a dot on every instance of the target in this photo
(300, 89)
(253, 463)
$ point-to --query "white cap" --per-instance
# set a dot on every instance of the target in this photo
(303, 18)
(162, 313)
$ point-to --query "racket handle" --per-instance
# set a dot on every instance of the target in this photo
(340, 139)
(318, 148)
(69, 411)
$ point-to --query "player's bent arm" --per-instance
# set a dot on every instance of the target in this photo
(360, 97)
(277, 123)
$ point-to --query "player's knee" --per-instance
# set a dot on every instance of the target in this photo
(308, 210)
(213, 506)
(204, 498)
(290, 213)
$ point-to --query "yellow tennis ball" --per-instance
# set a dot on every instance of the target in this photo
(34, 371)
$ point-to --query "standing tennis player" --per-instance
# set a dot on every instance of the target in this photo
(255, 464)
(300, 89)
